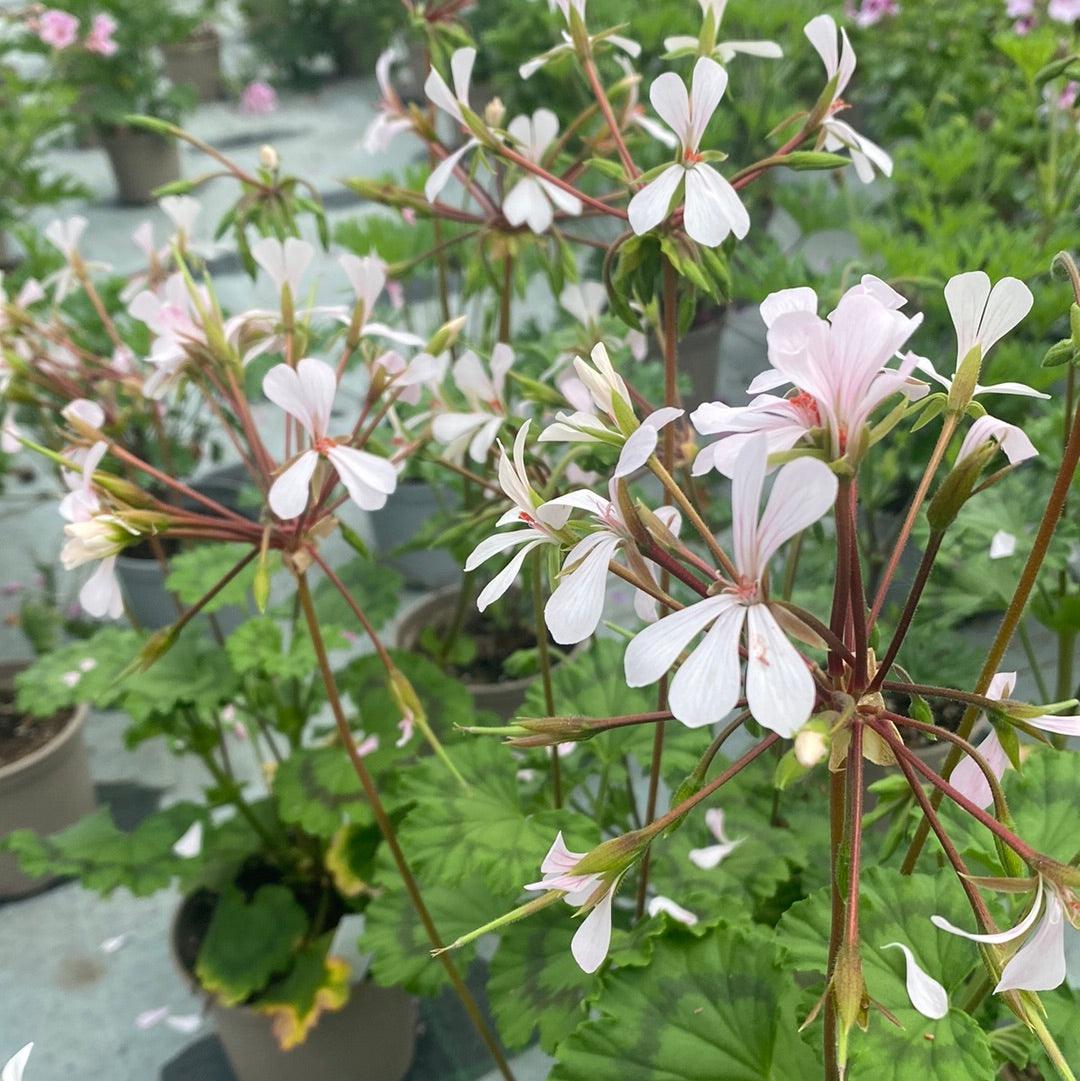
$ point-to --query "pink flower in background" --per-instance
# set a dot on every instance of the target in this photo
(873, 11)
(258, 99)
(1067, 98)
(100, 40)
(1023, 26)
(57, 28)
(1064, 11)
(1019, 9)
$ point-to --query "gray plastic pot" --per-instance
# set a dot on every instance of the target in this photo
(142, 580)
(398, 522)
(196, 63)
(437, 610)
(371, 1038)
(45, 791)
(141, 162)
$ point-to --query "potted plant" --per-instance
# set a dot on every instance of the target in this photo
(45, 782)
(276, 857)
(193, 55)
(113, 47)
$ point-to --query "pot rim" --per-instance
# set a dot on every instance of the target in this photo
(14, 773)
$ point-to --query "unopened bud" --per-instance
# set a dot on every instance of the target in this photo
(268, 157)
(446, 336)
(967, 376)
(157, 645)
(957, 487)
(123, 490)
(811, 747)
(849, 993)
(613, 857)
(495, 113)
(550, 731)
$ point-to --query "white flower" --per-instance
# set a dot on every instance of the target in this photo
(461, 65)
(617, 41)
(391, 117)
(713, 855)
(476, 429)
(307, 394)
(1039, 965)
(64, 235)
(190, 842)
(81, 503)
(588, 893)
(171, 316)
(1011, 439)
(983, 316)
(926, 994)
(14, 1067)
(839, 60)
(367, 276)
(98, 538)
(712, 208)
(724, 51)
(968, 778)
(779, 687)
(585, 301)
(676, 911)
(541, 524)
(1002, 544)
(574, 608)
(285, 262)
(533, 200)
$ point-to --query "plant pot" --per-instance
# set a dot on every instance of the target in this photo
(412, 505)
(372, 1038)
(196, 63)
(141, 162)
(47, 790)
(142, 579)
(504, 698)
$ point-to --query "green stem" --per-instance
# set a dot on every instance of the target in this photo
(545, 668)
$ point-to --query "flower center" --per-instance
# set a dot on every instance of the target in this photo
(692, 157)
(323, 445)
(807, 406)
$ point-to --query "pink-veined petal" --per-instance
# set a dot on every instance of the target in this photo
(925, 993)
(1063, 726)
(654, 650)
(970, 781)
(1039, 965)
(649, 207)
(288, 495)
(672, 103)
(574, 608)
(746, 484)
(706, 686)
(779, 687)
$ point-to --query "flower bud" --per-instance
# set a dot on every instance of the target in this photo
(613, 857)
(849, 993)
(445, 336)
(811, 747)
(957, 487)
(268, 157)
(495, 113)
(963, 384)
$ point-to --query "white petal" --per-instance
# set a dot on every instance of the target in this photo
(14, 1067)
(671, 101)
(649, 207)
(368, 478)
(706, 686)
(505, 578)
(100, 595)
(461, 65)
(186, 1023)
(779, 687)
(998, 937)
(660, 904)
(189, 845)
(496, 543)
(821, 32)
(1002, 544)
(926, 994)
(800, 299)
(564, 200)
(574, 608)
(804, 490)
(746, 483)
(1008, 304)
(288, 495)
(442, 172)
(966, 296)
(1039, 965)
(592, 939)
(706, 89)
(527, 203)
(318, 385)
(636, 451)
(655, 649)
(1064, 726)
(440, 95)
(713, 207)
(1021, 389)
(713, 855)
(970, 781)
(1015, 442)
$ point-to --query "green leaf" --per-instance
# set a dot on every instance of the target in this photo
(195, 572)
(394, 935)
(315, 984)
(317, 789)
(258, 646)
(897, 908)
(703, 1008)
(534, 981)
(249, 941)
(375, 587)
